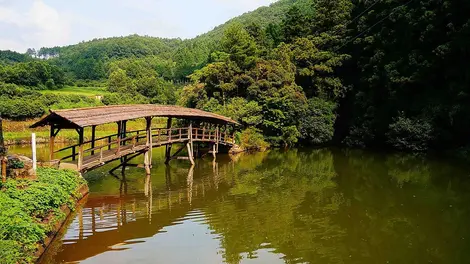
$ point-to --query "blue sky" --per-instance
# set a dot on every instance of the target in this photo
(46, 23)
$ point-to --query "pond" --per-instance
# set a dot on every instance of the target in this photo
(294, 206)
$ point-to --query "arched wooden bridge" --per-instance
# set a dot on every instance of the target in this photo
(196, 126)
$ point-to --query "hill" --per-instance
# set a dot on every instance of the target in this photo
(88, 60)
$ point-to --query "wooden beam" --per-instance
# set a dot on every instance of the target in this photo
(190, 155)
(168, 146)
(80, 149)
(93, 136)
(51, 144)
(177, 152)
(53, 134)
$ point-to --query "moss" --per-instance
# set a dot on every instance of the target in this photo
(29, 209)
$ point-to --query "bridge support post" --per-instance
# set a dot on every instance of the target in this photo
(93, 134)
(54, 132)
(80, 149)
(148, 153)
(169, 145)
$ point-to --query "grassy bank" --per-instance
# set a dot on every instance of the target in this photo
(74, 90)
(31, 209)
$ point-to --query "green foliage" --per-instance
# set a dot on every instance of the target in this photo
(10, 57)
(117, 99)
(317, 122)
(251, 139)
(19, 103)
(409, 134)
(24, 204)
(34, 74)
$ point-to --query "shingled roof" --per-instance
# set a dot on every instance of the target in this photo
(92, 116)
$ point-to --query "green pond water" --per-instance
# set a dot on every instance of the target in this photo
(295, 206)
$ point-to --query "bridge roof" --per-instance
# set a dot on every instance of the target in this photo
(92, 116)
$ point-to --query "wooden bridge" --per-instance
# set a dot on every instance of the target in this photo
(196, 127)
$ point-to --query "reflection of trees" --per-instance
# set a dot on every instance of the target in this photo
(342, 207)
(275, 203)
(396, 213)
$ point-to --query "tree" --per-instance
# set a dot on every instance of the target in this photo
(240, 45)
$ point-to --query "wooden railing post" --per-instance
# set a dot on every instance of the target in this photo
(93, 133)
(73, 153)
(118, 145)
(80, 157)
(101, 155)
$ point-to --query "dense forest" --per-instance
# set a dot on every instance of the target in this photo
(363, 73)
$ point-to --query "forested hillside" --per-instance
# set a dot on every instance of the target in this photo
(388, 74)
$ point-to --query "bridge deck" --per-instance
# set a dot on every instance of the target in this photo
(121, 147)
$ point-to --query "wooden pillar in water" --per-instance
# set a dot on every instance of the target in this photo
(190, 144)
(148, 153)
(168, 146)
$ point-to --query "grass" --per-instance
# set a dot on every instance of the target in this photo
(29, 210)
(86, 91)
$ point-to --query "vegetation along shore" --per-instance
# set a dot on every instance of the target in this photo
(33, 209)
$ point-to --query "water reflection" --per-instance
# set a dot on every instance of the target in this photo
(296, 206)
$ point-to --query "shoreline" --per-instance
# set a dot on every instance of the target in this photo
(84, 191)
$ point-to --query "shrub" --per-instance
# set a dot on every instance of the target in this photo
(24, 204)
(252, 139)
(317, 124)
(409, 134)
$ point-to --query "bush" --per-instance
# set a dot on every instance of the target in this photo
(21, 109)
(317, 124)
(24, 204)
(252, 139)
(409, 134)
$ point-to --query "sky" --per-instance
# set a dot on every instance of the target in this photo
(46, 23)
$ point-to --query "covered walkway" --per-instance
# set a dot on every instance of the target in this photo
(194, 126)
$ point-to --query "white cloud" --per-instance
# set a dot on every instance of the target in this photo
(40, 25)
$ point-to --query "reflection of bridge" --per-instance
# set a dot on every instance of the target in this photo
(125, 145)
(107, 222)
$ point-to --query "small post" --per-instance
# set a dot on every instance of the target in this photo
(33, 146)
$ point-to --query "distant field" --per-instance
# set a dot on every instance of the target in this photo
(86, 91)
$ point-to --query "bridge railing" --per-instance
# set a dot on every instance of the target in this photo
(139, 137)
